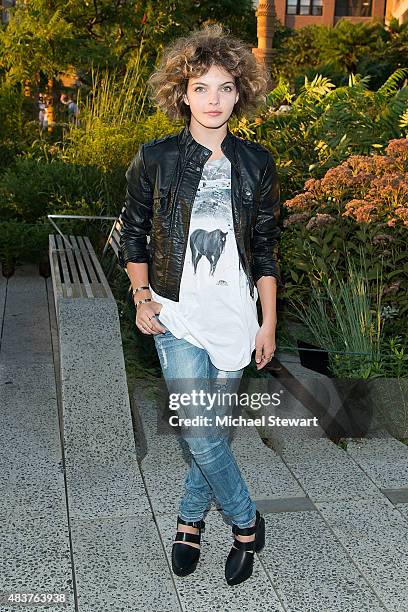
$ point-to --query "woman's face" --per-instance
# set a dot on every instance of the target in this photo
(211, 97)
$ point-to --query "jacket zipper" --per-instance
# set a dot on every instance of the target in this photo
(186, 244)
(173, 207)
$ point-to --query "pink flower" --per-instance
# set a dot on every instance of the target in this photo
(362, 214)
(382, 239)
(296, 218)
(319, 221)
(313, 185)
(402, 213)
(398, 147)
(301, 202)
(392, 289)
(351, 206)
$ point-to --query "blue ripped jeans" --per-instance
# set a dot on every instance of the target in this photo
(213, 470)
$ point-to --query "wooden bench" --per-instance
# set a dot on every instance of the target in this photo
(75, 269)
(113, 242)
(101, 470)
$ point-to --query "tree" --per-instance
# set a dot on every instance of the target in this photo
(47, 36)
(35, 40)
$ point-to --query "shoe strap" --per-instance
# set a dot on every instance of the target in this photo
(249, 546)
(247, 530)
(244, 530)
(194, 538)
(196, 524)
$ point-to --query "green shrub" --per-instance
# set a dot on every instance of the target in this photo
(325, 124)
(31, 189)
(344, 315)
(11, 137)
(112, 147)
(23, 242)
(360, 204)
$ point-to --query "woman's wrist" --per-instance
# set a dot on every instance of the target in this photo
(140, 288)
(141, 293)
(139, 303)
(269, 322)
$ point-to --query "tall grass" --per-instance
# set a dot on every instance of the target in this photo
(111, 126)
(114, 101)
(344, 317)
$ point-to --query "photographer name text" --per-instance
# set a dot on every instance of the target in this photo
(241, 421)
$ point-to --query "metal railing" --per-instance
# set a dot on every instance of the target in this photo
(80, 217)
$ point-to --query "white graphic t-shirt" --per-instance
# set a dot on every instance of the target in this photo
(215, 310)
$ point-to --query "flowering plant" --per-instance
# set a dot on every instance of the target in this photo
(366, 188)
(360, 204)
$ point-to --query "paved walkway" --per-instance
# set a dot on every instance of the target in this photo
(337, 520)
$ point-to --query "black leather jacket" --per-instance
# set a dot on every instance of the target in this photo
(162, 181)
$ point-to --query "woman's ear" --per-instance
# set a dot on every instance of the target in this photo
(185, 99)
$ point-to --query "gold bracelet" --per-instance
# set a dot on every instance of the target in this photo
(143, 301)
(139, 289)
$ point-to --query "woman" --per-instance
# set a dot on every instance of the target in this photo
(210, 203)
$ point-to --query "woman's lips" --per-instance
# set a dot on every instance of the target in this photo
(214, 113)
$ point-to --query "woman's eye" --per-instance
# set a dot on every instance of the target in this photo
(227, 88)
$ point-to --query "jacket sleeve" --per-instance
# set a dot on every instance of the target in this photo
(136, 215)
(266, 232)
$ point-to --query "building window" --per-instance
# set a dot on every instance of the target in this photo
(353, 8)
(304, 7)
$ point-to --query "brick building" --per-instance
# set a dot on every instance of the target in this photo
(300, 13)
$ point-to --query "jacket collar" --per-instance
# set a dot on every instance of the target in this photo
(199, 153)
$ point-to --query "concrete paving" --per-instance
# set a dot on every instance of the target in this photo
(34, 529)
(89, 504)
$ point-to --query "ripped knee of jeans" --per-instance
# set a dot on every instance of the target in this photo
(222, 382)
(164, 357)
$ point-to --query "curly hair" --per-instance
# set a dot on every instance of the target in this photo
(192, 55)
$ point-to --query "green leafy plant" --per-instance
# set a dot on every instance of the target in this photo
(31, 189)
(344, 317)
(360, 204)
(371, 49)
(325, 124)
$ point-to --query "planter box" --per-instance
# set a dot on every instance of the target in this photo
(390, 404)
(316, 359)
(367, 404)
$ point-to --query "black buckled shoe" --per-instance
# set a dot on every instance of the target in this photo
(240, 561)
(184, 558)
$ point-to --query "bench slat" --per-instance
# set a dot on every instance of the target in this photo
(89, 257)
(82, 267)
(66, 284)
(77, 289)
(114, 242)
(98, 267)
(75, 268)
(55, 270)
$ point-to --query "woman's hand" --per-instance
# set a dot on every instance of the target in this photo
(265, 345)
(145, 318)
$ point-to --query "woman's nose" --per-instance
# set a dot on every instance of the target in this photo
(214, 98)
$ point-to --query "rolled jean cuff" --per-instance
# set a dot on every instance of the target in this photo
(245, 525)
(190, 520)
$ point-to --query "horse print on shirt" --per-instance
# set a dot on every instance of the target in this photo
(209, 244)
